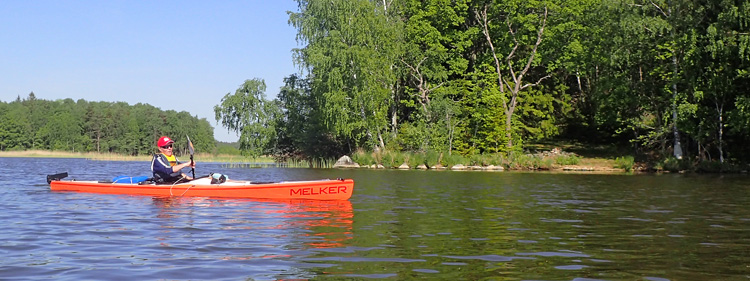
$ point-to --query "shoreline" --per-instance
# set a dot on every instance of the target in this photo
(591, 166)
(204, 157)
(564, 169)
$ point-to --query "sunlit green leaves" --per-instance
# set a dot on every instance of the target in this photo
(248, 113)
(350, 55)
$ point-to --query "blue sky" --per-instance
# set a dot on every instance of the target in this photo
(175, 55)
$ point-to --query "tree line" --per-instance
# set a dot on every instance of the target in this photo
(667, 78)
(105, 127)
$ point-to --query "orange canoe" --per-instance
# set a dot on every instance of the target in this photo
(338, 189)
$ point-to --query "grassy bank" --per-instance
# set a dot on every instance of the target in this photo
(562, 157)
(537, 161)
(553, 160)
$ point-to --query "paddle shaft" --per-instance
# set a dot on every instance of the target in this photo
(192, 150)
(192, 169)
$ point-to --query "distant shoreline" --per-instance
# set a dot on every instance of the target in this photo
(119, 157)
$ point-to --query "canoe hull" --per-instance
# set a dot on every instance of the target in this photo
(316, 190)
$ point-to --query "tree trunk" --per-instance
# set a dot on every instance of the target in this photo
(719, 110)
(677, 146)
(509, 106)
(508, 127)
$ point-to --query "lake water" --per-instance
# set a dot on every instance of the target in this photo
(398, 225)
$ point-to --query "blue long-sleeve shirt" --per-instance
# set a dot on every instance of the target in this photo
(162, 169)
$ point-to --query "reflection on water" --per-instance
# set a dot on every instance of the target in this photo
(400, 225)
(325, 224)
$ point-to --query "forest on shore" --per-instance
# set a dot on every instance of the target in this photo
(103, 127)
(665, 79)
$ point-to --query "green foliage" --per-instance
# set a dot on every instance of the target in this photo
(567, 160)
(672, 164)
(248, 113)
(393, 159)
(710, 166)
(718, 167)
(450, 160)
(300, 128)
(522, 161)
(350, 49)
(625, 162)
(227, 150)
(15, 130)
(412, 137)
(416, 159)
(432, 158)
(363, 157)
(485, 159)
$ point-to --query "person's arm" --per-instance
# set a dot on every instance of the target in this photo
(181, 165)
(178, 167)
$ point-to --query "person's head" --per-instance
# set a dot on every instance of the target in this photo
(165, 145)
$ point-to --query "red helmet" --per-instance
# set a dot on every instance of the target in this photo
(164, 141)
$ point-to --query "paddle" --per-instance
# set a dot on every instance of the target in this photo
(192, 150)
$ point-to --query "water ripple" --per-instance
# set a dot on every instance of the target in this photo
(398, 225)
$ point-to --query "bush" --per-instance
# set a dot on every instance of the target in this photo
(675, 165)
(476, 159)
(416, 159)
(718, 167)
(227, 150)
(495, 159)
(453, 159)
(486, 159)
(563, 160)
(544, 163)
(709, 166)
(625, 162)
(393, 159)
(432, 158)
(526, 161)
(363, 158)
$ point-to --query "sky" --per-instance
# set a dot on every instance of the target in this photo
(175, 55)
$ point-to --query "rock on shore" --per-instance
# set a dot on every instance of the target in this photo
(345, 162)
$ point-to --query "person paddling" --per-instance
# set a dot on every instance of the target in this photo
(165, 166)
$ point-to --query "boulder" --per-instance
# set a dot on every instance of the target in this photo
(345, 162)
(578, 168)
(438, 167)
(495, 168)
(422, 167)
(404, 167)
(458, 167)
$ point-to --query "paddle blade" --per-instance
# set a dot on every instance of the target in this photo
(190, 146)
(56, 177)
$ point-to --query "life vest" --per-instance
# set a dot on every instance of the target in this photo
(172, 159)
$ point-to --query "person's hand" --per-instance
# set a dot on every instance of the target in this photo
(187, 164)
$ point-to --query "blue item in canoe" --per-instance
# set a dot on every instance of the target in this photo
(127, 179)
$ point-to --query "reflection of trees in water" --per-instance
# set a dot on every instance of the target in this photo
(318, 223)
